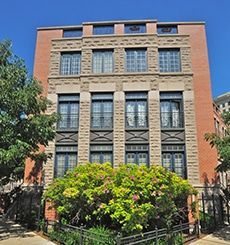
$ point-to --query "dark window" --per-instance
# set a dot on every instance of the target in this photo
(101, 153)
(103, 30)
(136, 110)
(70, 63)
(228, 102)
(102, 111)
(173, 159)
(169, 60)
(68, 108)
(102, 61)
(72, 33)
(167, 29)
(171, 110)
(223, 105)
(138, 28)
(137, 154)
(66, 159)
(136, 60)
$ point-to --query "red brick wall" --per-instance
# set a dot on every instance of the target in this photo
(41, 72)
(203, 98)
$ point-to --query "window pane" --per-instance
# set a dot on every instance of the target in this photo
(139, 28)
(141, 114)
(70, 63)
(102, 61)
(167, 29)
(169, 60)
(107, 157)
(73, 122)
(103, 30)
(76, 64)
(175, 114)
(130, 114)
(65, 64)
(72, 33)
(130, 158)
(63, 110)
(107, 115)
(142, 159)
(96, 114)
(136, 60)
(95, 157)
(60, 165)
(72, 161)
(179, 164)
(108, 62)
(167, 160)
(97, 62)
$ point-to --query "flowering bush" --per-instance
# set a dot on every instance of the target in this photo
(128, 199)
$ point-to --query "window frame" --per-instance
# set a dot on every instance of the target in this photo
(172, 97)
(71, 55)
(77, 30)
(98, 30)
(135, 100)
(135, 50)
(174, 27)
(102, 52)
(136, 152)
(142, 26)
(169, 60)
(66, 161)
(68, 114)
(101, 152)
(102, 102)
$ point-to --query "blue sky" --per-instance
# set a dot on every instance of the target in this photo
(20, 18)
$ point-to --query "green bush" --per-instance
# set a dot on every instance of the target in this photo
(128, 199)
(207, 222)
(65, 237)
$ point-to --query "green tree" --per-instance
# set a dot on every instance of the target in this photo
(222, 144)
(23, 122)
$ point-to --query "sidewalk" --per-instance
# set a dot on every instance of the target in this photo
(220, 237)
(29, 238)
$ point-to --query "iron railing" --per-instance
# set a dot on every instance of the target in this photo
(172, 119)
(136, 120)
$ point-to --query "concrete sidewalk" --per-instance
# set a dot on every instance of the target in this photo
(29, 238)
(220, 237)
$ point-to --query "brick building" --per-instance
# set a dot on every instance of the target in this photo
(128, 91)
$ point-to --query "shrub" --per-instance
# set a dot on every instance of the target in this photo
(129, 198)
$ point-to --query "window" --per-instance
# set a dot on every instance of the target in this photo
(228, 102)
(103, 30)
(169, 60)
(171, 110)
(66, 159)
(101, 153)
(102, 61)
(223, 105)
(68, 108)
(167, 29)
(173, 159)
(136, 110)
(136, 60)
(72, 33)
(137, 154)
(138, 28)
(70, 63)
(102, 111)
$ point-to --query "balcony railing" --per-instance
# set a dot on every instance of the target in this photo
(102, 120)
(172, 119)
(136, 120)
(68, 121)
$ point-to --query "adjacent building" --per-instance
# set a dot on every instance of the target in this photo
(223, 102)
(128, 92)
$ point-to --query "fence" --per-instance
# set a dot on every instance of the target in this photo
(68, 234)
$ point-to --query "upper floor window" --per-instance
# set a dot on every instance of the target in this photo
(167, 29)
(101, 153)
(136, 110)
(173, 159)
(103, 30)
(136, 60)
(66, 159)
(68, 108)
(103, 61)
(171, 110)
(72, 32)
(137, 154)
(102, 111)
(169, 60)
(135, 28)
(70, 63)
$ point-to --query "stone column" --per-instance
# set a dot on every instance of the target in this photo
(154, 128)
(119, 129)
(191, 138)
(84, 128)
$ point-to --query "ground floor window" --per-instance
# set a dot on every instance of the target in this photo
(66, 159)
(173, 159)
(101, 153)
(137, 154)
